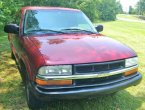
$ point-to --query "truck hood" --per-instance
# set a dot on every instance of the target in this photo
(76, 49)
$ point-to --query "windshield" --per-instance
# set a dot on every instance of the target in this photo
(56, 21)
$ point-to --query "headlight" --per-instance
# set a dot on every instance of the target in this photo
(131, 62)
(55, 70)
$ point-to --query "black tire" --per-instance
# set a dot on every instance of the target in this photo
(32, 102)
(12, 56)
(22, 71)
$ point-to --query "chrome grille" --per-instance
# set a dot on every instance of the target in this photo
(98, 67)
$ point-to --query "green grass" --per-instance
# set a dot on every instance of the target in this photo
(132, 17)
(12, 96)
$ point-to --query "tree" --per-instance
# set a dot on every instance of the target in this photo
(132, 10)
(119, 7)
(141, 7)
(8, 9)
(107, 10)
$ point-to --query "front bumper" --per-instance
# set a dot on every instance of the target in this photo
(73, 92)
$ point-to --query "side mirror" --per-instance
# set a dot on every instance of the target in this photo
(11, 28)
(99, 28)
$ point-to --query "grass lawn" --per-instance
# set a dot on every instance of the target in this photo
(12, 94)
(132, 17)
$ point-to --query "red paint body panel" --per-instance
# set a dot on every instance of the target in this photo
(76, 49)
(33, 53)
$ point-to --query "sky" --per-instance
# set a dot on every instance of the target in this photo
(127, 3)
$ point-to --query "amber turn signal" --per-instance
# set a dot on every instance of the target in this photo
(53, 82)
(131, 72)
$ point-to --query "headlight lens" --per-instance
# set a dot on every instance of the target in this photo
(131, 62)
(55, 70)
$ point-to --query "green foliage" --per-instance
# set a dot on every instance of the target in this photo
(141, 7)
(132, 10)
(8, 9)
(107, 10)
(119, 8)
(89, 8)
(95, 9)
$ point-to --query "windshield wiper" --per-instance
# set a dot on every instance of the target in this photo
(45, 30)
(77, 30)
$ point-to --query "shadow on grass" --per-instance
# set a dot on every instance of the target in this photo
(121, 101)
(141, 17)
(15, 100)
(12, 96)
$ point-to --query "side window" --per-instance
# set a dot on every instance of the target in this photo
(31, 22)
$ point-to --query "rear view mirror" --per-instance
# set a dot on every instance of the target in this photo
(11, 28)
(99, 28)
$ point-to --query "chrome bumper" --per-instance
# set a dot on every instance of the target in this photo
(86, 76)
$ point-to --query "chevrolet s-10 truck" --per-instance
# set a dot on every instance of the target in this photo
(61, 55)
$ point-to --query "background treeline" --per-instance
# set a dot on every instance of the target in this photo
(96, 10)
(139, 9)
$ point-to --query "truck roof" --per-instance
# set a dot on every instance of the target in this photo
(49, 8)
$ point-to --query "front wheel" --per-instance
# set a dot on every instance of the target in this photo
(12, 56)
(32, 101)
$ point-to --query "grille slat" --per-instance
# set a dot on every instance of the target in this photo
(98, 68)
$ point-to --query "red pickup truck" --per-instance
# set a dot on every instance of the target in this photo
(61, 55)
